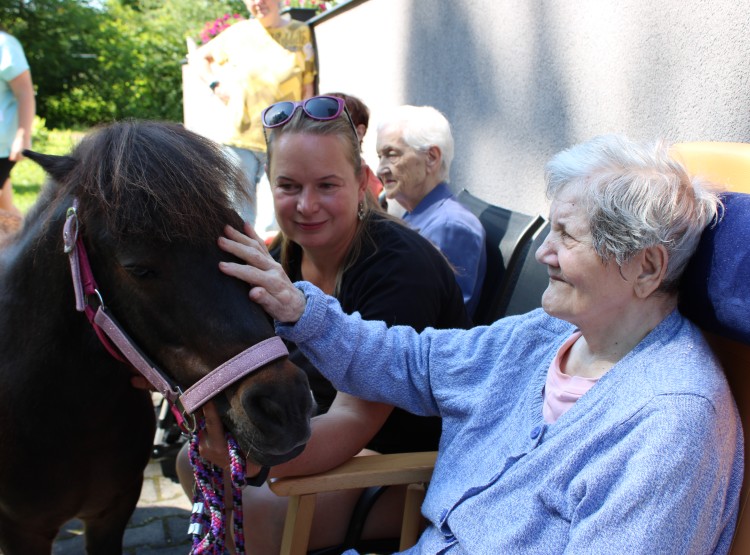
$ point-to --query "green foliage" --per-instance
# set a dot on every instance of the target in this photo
(98, 62)
(319, 5)
(27, 177)
(56, 35)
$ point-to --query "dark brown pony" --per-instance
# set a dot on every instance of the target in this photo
(75, 435)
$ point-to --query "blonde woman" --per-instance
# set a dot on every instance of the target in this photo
(334, 235)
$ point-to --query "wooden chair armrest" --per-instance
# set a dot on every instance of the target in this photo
(361, 472)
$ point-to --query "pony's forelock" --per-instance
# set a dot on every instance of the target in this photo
(156, 180)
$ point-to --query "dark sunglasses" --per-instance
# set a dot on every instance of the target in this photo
(321, 108)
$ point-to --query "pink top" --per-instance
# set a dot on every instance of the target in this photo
(561, 390)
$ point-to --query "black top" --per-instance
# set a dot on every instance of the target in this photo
(399, 278)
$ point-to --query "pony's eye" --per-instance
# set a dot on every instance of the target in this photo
(140, 272)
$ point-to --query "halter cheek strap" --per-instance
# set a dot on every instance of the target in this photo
(121, 346)
(84, 284)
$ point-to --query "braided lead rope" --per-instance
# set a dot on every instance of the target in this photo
(208, 500)
(238, 469)
(208, 505)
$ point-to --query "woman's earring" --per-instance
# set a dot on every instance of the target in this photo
(361, 211)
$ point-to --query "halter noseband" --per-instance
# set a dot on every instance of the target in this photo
(121, 346)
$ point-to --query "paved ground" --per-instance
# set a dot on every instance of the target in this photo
(158, 525)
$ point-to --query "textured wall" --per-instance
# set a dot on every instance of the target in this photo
(520, 80)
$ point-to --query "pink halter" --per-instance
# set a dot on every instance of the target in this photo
(121, 347)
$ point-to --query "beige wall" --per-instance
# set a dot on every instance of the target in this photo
(520, 80)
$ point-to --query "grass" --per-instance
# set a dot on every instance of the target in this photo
(27, 177)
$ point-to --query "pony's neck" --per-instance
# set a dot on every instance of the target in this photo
(36, 288)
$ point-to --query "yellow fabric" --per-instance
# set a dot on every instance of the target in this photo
(724, 163)
(260, 66)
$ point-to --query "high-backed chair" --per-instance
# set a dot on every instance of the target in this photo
(716, 289)
(533, 278)
(508, 235)
(715, 294)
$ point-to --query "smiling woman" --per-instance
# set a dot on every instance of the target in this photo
(335, 235)
(586, 292)
(320, 214)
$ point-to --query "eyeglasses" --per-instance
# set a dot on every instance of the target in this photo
(320, 108)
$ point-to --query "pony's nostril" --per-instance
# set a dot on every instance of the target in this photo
(270, 409)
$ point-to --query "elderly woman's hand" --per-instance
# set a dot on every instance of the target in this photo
(271, 288)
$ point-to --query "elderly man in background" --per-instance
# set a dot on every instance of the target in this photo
(415, 149)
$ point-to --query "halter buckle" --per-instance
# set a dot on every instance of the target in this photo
(70, 231)
(185, 420)
(98, 297)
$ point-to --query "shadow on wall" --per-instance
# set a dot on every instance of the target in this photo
(495, 112)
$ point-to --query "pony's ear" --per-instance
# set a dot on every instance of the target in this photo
(56, 166)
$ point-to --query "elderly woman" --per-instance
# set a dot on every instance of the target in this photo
(600, 424)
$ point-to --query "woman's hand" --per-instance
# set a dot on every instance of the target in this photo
(21, 142)
(271, 287)
(212, 444)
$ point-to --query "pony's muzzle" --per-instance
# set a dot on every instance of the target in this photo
(279, 412)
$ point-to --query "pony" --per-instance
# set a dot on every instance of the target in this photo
(152, 198)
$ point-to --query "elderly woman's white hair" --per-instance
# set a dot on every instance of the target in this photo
(637, 196)
(423, 127)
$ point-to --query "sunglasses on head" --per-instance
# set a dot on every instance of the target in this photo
(320, 108)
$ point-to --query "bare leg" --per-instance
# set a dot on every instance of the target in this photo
(6, 199)
(185, 471)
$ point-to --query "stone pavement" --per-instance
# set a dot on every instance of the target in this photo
(158, 525)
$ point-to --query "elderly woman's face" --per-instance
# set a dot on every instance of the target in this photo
(582, 289)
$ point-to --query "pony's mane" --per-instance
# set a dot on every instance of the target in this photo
(156, 180)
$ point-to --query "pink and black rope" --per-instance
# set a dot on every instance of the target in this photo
(208, 522)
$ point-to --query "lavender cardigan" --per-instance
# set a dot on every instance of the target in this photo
(650, 460)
